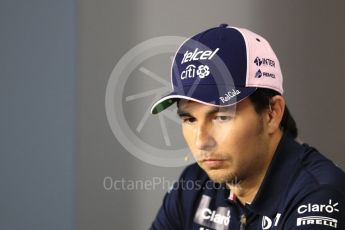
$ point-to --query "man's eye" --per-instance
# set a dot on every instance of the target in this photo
(188, 120)
(223, 118)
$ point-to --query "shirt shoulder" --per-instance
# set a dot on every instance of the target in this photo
(316, 197)
(316, 171)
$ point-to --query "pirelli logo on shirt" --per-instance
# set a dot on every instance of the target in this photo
(314, 219)
(317, 220)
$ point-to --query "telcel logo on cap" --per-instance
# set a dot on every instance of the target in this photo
(198, 55)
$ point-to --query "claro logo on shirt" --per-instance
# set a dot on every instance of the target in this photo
(206, 216)
(213, 216)
(318, 220)
(329, 208)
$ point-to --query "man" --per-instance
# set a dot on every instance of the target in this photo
(250, 171)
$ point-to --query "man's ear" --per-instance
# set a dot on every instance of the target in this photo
(275, 113)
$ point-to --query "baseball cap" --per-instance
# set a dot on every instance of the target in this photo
(220, 67)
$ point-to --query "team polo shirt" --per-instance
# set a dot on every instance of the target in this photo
(301, 190)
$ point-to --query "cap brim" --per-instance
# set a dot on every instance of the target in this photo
(213, 95)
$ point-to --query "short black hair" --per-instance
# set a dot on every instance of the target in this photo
(261, 100)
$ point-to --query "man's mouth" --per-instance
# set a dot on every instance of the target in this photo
(213, 163)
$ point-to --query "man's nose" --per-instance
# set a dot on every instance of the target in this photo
(204, 139)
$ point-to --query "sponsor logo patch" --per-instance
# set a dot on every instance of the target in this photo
(227, 96)
(191, 71)
(264, 61)
(267, 223)
(260, 74)
(212, 219)
(317, 220)
(213, 216)
(198, 55)
(310, 208)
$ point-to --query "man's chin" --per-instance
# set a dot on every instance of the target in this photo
(219, 176)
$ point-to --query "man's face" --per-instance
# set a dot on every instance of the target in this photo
(230, 144)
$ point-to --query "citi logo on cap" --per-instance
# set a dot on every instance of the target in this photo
(198, 55)
(202, 71)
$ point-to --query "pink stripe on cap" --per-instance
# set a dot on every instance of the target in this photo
(263, 68)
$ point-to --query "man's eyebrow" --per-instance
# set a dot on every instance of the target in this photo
(213, 111)
(182, 113)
